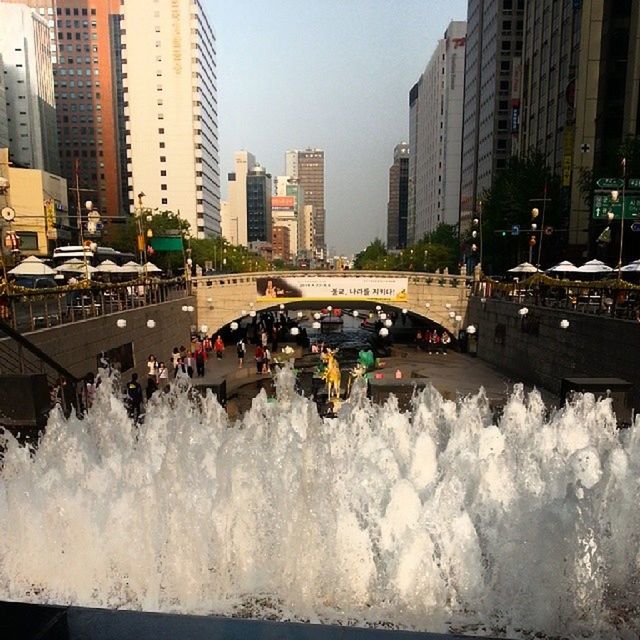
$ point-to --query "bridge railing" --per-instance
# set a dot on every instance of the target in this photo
(613, 298)
(415, 277)
(31, 309)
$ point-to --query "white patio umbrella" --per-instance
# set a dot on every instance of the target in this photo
(563, 267)
(75, 265)
(632, 267)
(32, 266)
(108, 266)
(594, 266)
(131, 267)
(149, 267)
(524, 267)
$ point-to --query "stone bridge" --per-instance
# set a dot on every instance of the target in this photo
(223, 298)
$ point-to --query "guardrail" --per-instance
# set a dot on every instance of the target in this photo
(31, 309)
(613, 298)
(439, 279)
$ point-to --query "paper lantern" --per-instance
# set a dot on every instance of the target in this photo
(121, 323)
(564, 324)
(233, 326)
(316, 325)
(384, 332)
(151, 324)
(294, 331)
(471, 329)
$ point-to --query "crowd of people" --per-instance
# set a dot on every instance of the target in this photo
(433, 342)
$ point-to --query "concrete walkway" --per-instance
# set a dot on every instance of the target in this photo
(453, 374)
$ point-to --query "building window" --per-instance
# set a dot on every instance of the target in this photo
(165, 201)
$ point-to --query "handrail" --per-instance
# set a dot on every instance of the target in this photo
(36, 351)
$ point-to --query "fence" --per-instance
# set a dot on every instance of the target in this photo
(613, 298)
(30, 309)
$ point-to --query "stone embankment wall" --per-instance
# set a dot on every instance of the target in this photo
(77, 346)
(535, 349)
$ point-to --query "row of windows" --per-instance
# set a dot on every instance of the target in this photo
(67, 11)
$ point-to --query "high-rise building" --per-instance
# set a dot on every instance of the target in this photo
(170, 89)
(435, 136)
(234, 223)
(492, 89)
(281, 243)
(308, 167)
(284, 214)
(580, 98)
(4, 125)
(398, 204)
(27, 79)
(84, 44)
(259, 205)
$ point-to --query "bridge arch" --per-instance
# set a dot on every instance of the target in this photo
(442, 299)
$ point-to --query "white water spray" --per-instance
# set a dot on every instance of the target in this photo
(434, 519)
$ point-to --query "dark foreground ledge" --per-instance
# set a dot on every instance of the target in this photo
(20, 621)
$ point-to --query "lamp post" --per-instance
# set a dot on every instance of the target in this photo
(476, 234)
(614, 198)
(140, 238)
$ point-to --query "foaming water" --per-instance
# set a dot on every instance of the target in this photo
(436, 519)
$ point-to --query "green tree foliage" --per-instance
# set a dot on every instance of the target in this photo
(437, 250)
(516, 190)
(225, 257)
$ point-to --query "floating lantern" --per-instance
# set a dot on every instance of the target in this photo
(151, 324)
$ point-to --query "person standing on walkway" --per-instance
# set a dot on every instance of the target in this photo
(259, 355)
(200, 358)
(163, 375)
(218, 347)
(134, 397)
(190, 362)
(241, 348)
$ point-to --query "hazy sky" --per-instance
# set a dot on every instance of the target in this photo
(331, 74)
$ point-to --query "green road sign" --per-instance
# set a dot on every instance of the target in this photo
(634, 183)
(602, 204)
(610, 183)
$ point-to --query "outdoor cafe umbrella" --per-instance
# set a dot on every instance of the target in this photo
(524, 267)
(131, 267)
(594, 266)
(632, 267)
(149, 267)
(75, 265)
(563, 267)
(32, 266)
(108, 266)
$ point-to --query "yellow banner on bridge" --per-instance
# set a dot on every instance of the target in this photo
(327, 288)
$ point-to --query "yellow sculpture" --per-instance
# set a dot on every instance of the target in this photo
(331, 374)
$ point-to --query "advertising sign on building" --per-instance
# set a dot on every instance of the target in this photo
(326, 288)
(282, 203)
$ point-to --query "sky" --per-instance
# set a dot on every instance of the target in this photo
(328, 74)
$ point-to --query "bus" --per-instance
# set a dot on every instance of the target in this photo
(93, 257)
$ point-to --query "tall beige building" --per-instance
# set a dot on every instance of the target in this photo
(308, 167)
(28, 85)
(436, 136)
(4, 125)
(234, 212)
(170, 87)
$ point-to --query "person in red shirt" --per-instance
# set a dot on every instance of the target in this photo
(218, 347)
(200, 357)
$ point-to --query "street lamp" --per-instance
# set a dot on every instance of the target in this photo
(614, 198)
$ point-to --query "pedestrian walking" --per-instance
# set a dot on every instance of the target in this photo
(241, 349)
(181, 370)
(266, 360)
(259, 355)
(134, 397)
(200, 358)
(218, 347)
(445, 341)
(190, 362)
(175, 355)
(152, 375)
